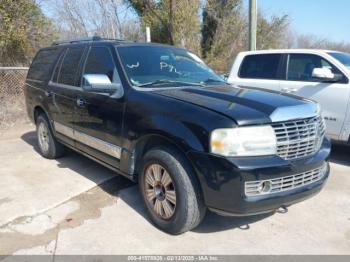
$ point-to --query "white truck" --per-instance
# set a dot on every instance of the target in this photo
(319, 75)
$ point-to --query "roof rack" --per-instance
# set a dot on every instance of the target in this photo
(88, 39)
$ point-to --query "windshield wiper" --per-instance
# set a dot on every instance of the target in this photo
(166, 81)
(212, 80)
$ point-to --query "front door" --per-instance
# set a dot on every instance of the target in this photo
(333, 97)
(99, 116)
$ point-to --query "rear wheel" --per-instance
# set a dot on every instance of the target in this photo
(48, 145)
(170, 191)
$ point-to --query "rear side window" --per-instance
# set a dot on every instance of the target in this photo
(70, 66)
(100, 61)
(42, 64)
(260, 66)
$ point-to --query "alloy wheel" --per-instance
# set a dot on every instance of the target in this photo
(160, 191)
(43, 137)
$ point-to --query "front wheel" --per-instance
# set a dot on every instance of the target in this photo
(170, 191)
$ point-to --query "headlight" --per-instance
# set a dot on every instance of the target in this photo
(243, 141)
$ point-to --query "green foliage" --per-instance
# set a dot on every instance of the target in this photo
(23, 29)
(156, 15)
(223, 32)
(186, 25)
(270, 34)
(174, 22)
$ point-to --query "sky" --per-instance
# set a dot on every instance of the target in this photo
(324, 18)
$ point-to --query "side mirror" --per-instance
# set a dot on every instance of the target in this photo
(224, 76)
(325, 74)
(99, 83)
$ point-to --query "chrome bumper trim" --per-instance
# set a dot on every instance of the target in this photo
(281, 184)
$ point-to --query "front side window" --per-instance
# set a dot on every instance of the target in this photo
(158, 66)
(70, 65)
(301, 66)
(100, 61)
(260, 66)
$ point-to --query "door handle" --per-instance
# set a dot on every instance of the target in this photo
(81, 102)
(289, 90)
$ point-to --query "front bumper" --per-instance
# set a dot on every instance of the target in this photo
(223, 179)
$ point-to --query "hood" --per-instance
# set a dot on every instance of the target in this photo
(246, 106)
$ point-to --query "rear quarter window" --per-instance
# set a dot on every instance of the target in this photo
(260, 66)
(42, 64)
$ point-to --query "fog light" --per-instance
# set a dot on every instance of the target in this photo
(264, 187)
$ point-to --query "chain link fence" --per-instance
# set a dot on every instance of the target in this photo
(12, 106)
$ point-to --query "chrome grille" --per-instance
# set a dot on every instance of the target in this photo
(299, 138)
(276, 185)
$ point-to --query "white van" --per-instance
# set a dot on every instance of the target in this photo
(320, 75)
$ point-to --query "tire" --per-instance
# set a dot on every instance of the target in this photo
(182, 193)
(49, 147)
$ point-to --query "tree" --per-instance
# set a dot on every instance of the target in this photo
(23, 29)
(223, 32)
(175, 22)
(83, 18)
(271, 33)
(186, 24)
(156, 16)
(314, 42)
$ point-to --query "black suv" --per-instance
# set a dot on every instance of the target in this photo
(158, 115)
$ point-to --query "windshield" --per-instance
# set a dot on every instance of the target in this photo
(158, 66)
(343, 58)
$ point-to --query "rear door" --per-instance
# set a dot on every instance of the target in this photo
(259, 70)
(38, 77)
(63, 88)
(333, 97)
(99, 116)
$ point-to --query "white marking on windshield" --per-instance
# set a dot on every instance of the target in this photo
(133, 65)
(170, 67)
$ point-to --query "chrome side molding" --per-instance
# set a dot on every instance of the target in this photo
(90, 141)
(63, 129)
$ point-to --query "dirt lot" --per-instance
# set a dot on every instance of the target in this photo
(12, 112)
(75, 206)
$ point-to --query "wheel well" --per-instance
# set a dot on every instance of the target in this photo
(152, 142)
(160, 141)
(37, 111)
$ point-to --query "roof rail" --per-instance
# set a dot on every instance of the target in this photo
(88, 39)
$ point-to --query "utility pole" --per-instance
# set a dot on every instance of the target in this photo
(252, 24)
(148, 34)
